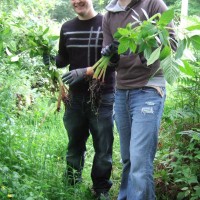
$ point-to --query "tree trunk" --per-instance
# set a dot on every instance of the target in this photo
(184, 11)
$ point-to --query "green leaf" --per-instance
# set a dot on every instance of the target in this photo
(170, 69)
(184, 188)
(166, 51)
(187, 68)
(180, 195)
(192, 179)
(46, 30)
(197, 156)
(1, 48)
(123, 31)
(142, 47)
(129, 26)
(132, 46)
(124, 45)
(147, 52)
(196, 42)
(166, 17)
(148, 28)
(117, 35)
(164, 36)
(55, 37)
(154, 56)
(194, 27)
(180, 49)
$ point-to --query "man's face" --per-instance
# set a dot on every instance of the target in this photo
(82, 7)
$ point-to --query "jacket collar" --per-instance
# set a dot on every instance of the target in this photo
(114, 6)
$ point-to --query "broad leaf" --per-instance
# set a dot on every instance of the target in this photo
(142, 47)
(129, 26)
(132, 46)
(117, 35)
(192, 28)
(166, 17)
(46, 30)
(154, 56)
(166, 51)
(180, 49)
(54, 37)
(195, 42)
(124, 45)
(149, 28)
(164, 36)
(170, 69)
(123, 31)
(147, 53)
(187, 68)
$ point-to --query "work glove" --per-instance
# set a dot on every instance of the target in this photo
(74, 76)
(112, 49)
(47, 58)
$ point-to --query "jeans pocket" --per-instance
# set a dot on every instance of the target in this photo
(155, 90)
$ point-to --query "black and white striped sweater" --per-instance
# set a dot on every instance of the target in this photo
(80, 46)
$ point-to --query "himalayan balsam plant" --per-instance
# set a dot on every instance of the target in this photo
(152, 38)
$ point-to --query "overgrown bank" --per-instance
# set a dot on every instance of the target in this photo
(33, 140)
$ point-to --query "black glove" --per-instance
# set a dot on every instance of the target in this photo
(112, 49)
(47, 58)
(74, 76)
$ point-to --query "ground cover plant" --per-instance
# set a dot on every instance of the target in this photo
(33, 140)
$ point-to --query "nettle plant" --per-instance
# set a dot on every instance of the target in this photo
(23, 40)
(152, 38)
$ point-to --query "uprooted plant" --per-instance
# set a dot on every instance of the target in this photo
(152, 38)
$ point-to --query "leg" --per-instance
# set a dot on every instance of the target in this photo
(123, 122)
(101, 127)
(146, 107)
(76, 125)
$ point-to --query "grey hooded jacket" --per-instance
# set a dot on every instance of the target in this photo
(132, 71)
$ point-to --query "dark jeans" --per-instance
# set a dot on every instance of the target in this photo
(80, 120)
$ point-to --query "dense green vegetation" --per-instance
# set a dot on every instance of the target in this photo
(33, 140)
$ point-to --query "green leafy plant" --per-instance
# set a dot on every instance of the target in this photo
(152, 38)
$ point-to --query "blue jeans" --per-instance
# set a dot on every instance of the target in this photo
(80, 121)
(138, 115)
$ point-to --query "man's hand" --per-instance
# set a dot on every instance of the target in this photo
(74, 76)
(110, 49)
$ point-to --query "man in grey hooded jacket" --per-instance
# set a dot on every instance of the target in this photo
(139, 101)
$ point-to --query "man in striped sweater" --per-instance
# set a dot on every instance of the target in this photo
(80, 47)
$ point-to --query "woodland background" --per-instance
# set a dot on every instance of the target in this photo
(33, 140)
